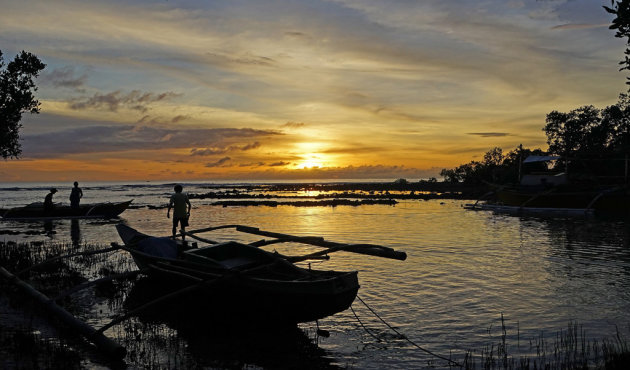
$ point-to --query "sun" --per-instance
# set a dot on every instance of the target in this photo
(310, 163)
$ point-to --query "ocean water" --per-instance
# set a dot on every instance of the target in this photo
(465, 269)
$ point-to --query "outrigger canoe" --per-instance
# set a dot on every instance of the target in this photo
(36, 211)
(242, 280)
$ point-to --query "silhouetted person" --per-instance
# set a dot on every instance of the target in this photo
(48, 201)
(181, 210)
(75, 195)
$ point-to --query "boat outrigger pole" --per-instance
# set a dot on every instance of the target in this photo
(368, 249)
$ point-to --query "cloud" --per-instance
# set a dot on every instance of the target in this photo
(215, 151)
(489, 134)
(252, 164)
(368, 172)
(148, 119)
(293, 124)
(279, 163)
(584, 26)
(113, 138)
(64, 77)
(219, 163)
(136, 100)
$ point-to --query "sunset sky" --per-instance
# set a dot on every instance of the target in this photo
(299, 89)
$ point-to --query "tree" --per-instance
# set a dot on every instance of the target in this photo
(577, 132)
(16, 98)
(621, 23)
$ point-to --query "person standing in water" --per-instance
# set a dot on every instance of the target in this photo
(75, 196)
(181, 210)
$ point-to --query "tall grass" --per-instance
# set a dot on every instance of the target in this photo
(571, 349)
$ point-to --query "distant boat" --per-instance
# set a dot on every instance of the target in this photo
(232, 279)
(609, 200)
(36, 211)
(554, 191)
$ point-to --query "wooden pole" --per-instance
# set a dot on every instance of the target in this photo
(103, 343)
(369, 249)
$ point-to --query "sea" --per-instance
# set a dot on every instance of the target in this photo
(472, 279)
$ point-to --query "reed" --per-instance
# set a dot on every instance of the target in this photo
(570, 349)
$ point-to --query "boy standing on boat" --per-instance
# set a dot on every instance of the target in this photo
(75, 195)
(181, 210)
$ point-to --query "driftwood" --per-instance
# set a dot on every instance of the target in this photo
(103, 343)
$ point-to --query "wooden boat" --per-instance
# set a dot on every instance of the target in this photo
(36, 211)
(610, 200)
(558, 192)
(233, 279)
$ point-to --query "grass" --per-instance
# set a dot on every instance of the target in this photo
(569, 350)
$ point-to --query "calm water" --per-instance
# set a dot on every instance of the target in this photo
(464, 268)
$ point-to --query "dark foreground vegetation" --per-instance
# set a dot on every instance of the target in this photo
(27, 339)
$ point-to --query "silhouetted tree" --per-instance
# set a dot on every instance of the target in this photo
(495, 167)
(578, 131)
(16, 97)
(621, 23)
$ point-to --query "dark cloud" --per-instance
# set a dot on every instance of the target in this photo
(489, 134)
(294, 124)
(250, 60)
(64, 77)
(179, 118)
(207, 151)
(296, 34)
(219, 163)
(223, 150)
(279, 163)
(349, 172)
(112, 138)
(578, 26)
(148, 119)
(250, 146)
(254, 164)
(136, 100)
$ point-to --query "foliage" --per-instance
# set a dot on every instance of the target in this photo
(593, 141)
(495, 167)
(16, 97)
(621, 23)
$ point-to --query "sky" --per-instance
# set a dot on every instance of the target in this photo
(299, 89)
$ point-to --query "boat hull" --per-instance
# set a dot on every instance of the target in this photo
(264, 287)
(99, 210)
(609, 202)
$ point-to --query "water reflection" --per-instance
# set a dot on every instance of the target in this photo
(49, 228)
(225, 341)
(75, 232)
